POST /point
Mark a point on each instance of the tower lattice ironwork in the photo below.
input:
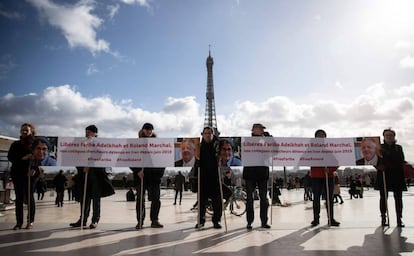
(210, 113)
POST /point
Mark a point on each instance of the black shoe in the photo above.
(384, 222)
(93, 225)
(249, 226)
(156, 224)
(29, 225)
(199, 225)
(265, 226)
(315, 223)
(400, 224)
(217, 225)
(77, 224)
(18, 226)
(334, 223)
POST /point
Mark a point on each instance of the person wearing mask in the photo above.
(98, 185)
(257, 176)
(393, 159)
(320, 176)
(151, 180)
(209, 179)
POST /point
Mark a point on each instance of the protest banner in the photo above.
(276, 151)
(110, 152)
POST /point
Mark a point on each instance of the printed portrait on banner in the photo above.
(186, 152)
(229, 157)
(367, 150)
(229, 151)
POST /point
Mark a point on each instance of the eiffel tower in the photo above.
(210, 113)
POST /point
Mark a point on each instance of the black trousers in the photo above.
(154, 194)
(21, 190)
(398, 203)
(319, 188)
(264, 203)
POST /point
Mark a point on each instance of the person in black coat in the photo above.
(59, 181)
(152, 183)
(98, 186)
(209, 178)
(20, 155)
(393, 159)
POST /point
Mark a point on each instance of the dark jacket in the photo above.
(193, 176)
(209, 177)
(393, 159)
(380, 170)
(59, 182)
(98, 185)
(256, 173)
(19, 167)
(179, 182)
(151, 175)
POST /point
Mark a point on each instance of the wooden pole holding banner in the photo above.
(86, 171)
(328, 198)
(198, 199)
(28, 192)
(221, 198)
(272, 197)
(384, 182)
(141, 202)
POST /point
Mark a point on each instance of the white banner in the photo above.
(108, 152)
(268, 151)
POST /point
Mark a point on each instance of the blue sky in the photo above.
(344, 66)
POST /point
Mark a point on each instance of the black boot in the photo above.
(384, 221)
(400, 224)
(77, 224)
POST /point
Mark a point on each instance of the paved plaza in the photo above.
(360, 232)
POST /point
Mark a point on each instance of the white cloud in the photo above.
(92, 69)
(63, 111)
(140, 2)
(339, 85)
(113, 10)
(11, 15)
(407, 62)
(317, 18)
(76, 22)
(404, 45)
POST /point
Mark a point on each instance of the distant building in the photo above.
(5, 143)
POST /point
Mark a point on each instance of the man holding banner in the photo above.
(322, 182)
(209, 179)
(91, 185)
(257, 175)
(148, 179)
(392, 179)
